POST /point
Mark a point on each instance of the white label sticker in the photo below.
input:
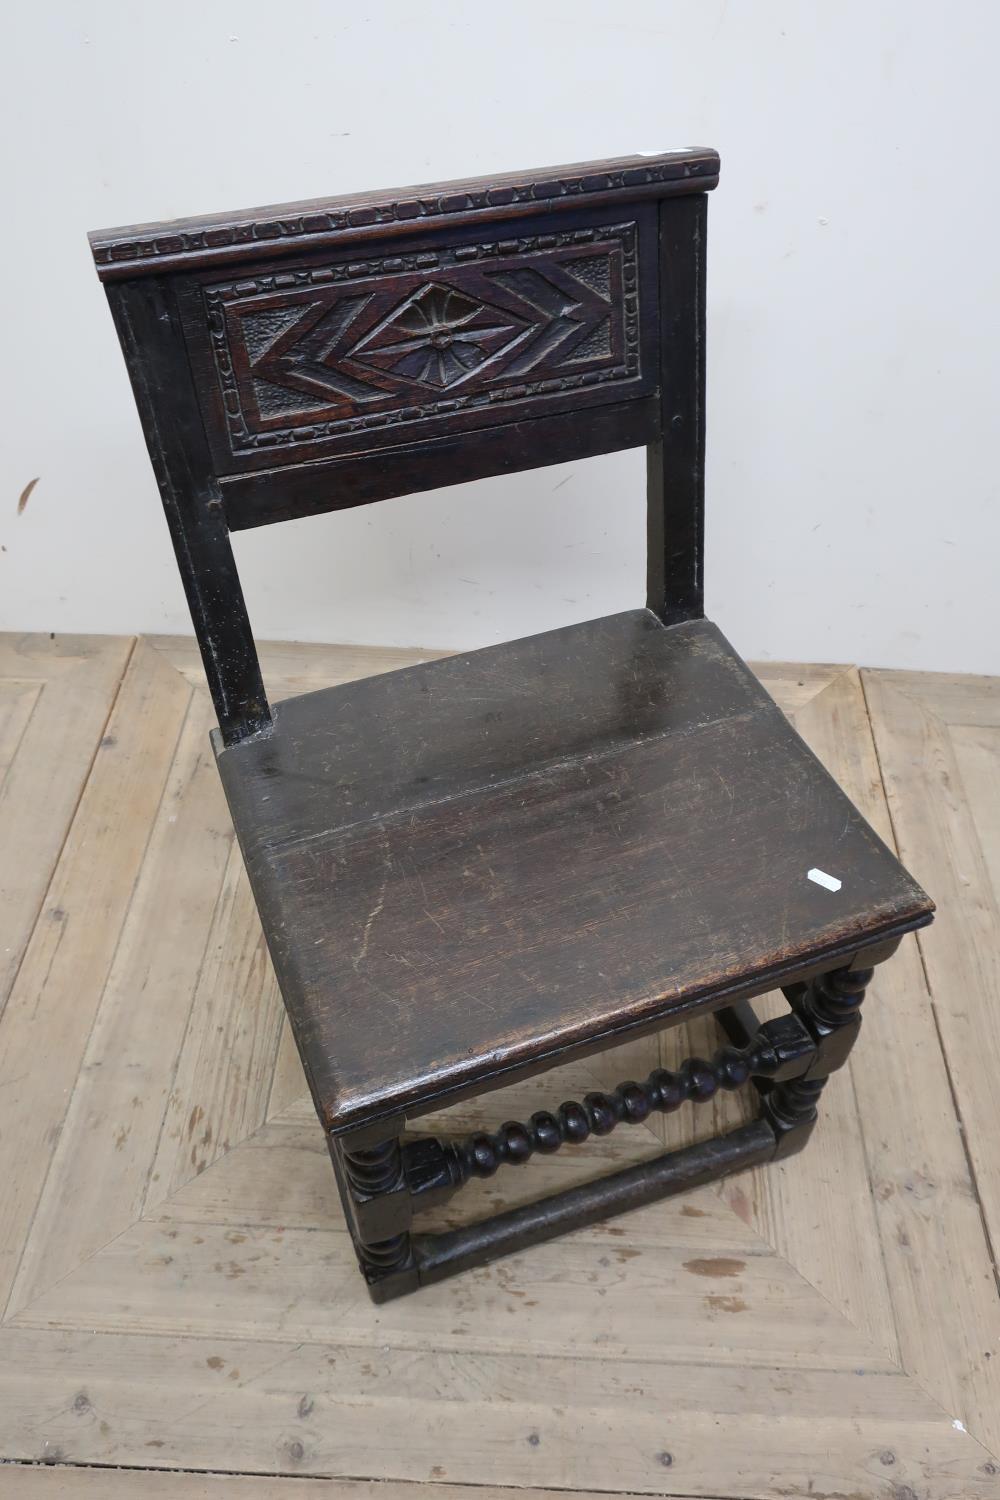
(828, 882)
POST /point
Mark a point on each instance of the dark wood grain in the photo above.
(360, 347)
(145, 315)
(183, 244)
(675, 459)
(469, 867)
(269, 495)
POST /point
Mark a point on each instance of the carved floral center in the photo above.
(438, 336)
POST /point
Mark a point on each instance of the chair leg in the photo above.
(830, 1007)
(378, 1210)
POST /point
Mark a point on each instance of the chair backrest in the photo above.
(317, 356)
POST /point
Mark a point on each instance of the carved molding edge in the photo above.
(314, 220)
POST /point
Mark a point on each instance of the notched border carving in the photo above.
(680, 171)
(250, 432)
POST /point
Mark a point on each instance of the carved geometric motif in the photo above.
(436, 337)
(312, 353)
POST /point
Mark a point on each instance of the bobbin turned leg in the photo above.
(379, 1213)
(830, 1009)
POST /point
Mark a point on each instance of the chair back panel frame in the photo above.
(291, 362)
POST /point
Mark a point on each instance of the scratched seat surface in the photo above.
(470, 868)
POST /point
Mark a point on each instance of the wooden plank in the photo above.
(292, 667)
(941, 830)
(288, 1082)
(129, 1392)
(924, 1199)
(47, 1022)
(224, 1077)
(977, 750)
(17, 703)
(281, 1176)
(956, 698)
(506, 893)
(481, 1418)
(63, 692)
(60, 1482)
(125, 1082)
(794, 684)
(648, 1301)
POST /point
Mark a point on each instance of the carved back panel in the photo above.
(325, 355)
(309, 360)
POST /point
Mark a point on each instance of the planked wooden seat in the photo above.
(469, 867)
(473, 869)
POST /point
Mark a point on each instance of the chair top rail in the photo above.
(190, 244)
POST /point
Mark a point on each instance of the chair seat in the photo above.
(471, 868)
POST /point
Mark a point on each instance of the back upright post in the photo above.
(675, 476)
(153, 344)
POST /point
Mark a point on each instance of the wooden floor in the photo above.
(181, 1314)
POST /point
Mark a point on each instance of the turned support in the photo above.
(384, 1182)
(830, 1008)
(779, 1049)
(379, 1208)
(630, 1103)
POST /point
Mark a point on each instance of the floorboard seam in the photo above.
(505, 1486)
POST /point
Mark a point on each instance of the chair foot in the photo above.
(790, 1110)
(390, 1268)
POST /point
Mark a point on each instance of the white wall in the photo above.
(854, 308)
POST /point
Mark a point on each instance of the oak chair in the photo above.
(471, 870)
